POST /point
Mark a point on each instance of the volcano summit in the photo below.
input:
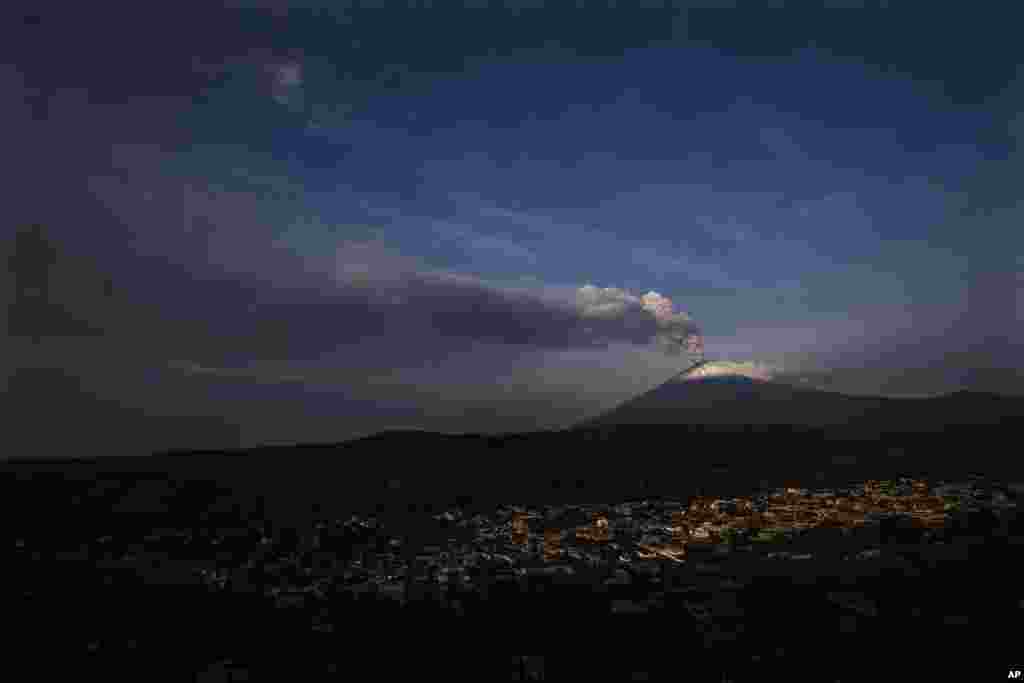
(747, 393)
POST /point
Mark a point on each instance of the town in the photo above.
(637, 557)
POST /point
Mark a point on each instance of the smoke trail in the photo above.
(675, 333)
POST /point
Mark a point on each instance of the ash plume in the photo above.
(675, 332)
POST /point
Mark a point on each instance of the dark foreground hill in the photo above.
(938, 607)
(208, 562)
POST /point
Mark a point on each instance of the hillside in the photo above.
(744, 400)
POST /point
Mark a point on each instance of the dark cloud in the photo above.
(167, 152)
(364, 293)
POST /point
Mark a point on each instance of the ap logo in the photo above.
(1015, 673)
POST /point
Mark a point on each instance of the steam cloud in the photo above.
(675, 333)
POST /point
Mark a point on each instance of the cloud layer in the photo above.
(365, 293)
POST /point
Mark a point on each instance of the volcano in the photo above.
(731, 393)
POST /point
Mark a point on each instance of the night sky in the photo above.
(278, 225)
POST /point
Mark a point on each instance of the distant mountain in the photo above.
(956, 370)
(727, 394)
(53, 414)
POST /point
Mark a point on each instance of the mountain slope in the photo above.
(734, 398)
